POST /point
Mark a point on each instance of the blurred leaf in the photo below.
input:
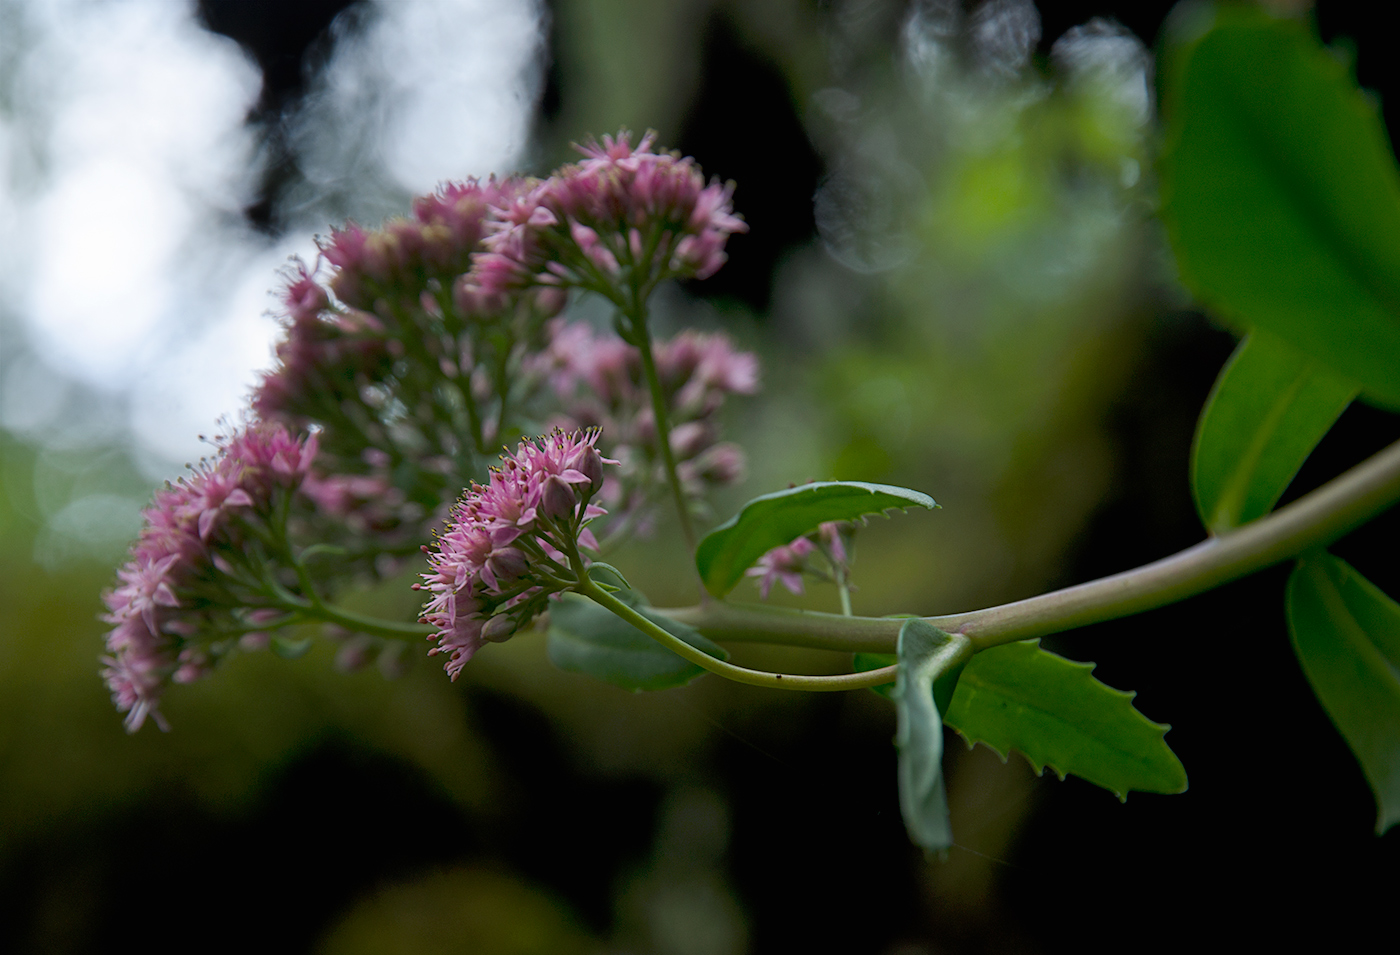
(586, 638)
(1056, 714)
(929, 663)
(1346, 633)
(1280, 191)
(779, 518)
(1270, 407)
(289, 649)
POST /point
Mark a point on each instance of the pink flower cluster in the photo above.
(403, 254)
(405, 367)
(624, 217)
(326, 356)
(788, 562)
(177, 584)
(508, 543)
(599, 380)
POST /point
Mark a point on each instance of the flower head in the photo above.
(624, 215)
(394, 262)
(509, 543)
(178, 582)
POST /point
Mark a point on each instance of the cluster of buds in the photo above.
(409, 371)
(378, 270)
(195, 585)
(512, 543)
(599, 380)
(623, 219)
(786, 564)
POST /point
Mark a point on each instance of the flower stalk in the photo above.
(663, 427)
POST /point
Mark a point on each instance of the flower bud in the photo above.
(557, 497)
(499, 628)
(588, 462)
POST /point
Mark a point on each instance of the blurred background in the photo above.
(956, 282)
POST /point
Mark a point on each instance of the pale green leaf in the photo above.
(929, 661)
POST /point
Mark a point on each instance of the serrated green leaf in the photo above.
(1346, 633)
(779, 518)
(586, 638)
(1269, 408)
(1280, 191)
(929, 662)
(1053, 712)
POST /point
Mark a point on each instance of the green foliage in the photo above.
(1346, 633)
(929, 663)
(1280, 192)
(779, 518)
(1056, 714)
(586, 638)
(1270, 407)
(1053, 712)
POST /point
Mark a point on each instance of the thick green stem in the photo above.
(1314, 520)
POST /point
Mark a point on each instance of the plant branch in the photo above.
(776, 681)
(1315, 520)
(374, 626)
(663, 427)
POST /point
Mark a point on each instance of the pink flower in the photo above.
(599, 379)
(784, 563)
(177, 581)
(622, 218)
(391, 262)
(503, 552)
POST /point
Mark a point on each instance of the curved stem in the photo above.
(776, 681)
(1315, 520)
